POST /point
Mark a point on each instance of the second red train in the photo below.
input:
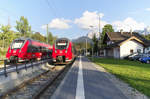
(63, 51)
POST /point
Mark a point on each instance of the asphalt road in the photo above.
(84, 81)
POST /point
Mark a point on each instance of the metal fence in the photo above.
(17, 67)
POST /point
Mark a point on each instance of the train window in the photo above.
(29, 49)
(17, 44)
(32, 49)
(35, 49)
(62, 44)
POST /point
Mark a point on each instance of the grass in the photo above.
(3, 52)
(134, 73)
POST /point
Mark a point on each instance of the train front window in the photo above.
(17, 44)
(61, 45)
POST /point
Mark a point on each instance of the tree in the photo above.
(7, 35)
(106, 28)
(94, 38)
(147, 37)
(39, 37)
(23, 27)
(80, 46)
(51, 38)
(95, 44)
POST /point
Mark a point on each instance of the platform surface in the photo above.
(84, 81)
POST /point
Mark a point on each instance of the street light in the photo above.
(47, 32)
(92, 46)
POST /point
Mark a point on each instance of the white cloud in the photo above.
(58, 24)
(90, 19)
(128, 24)
(147, 9)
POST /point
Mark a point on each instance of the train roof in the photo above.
(22, 38)
(36, 42)
(62, 39)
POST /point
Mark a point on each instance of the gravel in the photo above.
(49, 92)
(32, 87)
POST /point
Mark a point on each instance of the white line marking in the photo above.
(80, 83)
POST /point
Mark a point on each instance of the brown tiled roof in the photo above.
(118, 37)
(115, 36)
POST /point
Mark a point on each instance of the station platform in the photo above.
(84, 81)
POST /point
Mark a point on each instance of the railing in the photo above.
(17, 67)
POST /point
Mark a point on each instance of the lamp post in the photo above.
(47, 32)
(92, 46)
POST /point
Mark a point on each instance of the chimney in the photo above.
(121, 31)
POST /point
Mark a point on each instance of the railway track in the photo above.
(35, 87)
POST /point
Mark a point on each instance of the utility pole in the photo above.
(92, 53)
(86, 46)
(8, 20)
(92, 44)
(3, 42)
(99, 32)
(47, 33)
(99, 29)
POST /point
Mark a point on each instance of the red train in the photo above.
(27, 49)
(63, 51)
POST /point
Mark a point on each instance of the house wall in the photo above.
(109, 52)
(126, 47)
(116, 52)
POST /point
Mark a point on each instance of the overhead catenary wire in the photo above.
(58, 10)
(8, 15)
(51, 7)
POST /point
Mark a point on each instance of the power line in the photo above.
(52, 9)
(8, 14)
(3, 9)
(59, 12)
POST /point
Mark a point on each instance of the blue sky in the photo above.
(71, 18)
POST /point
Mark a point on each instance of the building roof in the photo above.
(119, 37)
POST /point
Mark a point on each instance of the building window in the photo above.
(131, 51)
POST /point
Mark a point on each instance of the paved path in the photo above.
(84, 81)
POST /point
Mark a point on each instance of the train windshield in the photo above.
(17, 44)
(62, 44)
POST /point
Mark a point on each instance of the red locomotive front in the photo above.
(63, 51)
(17, 50)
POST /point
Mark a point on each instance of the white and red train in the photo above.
(63, 51)
(27, 49)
